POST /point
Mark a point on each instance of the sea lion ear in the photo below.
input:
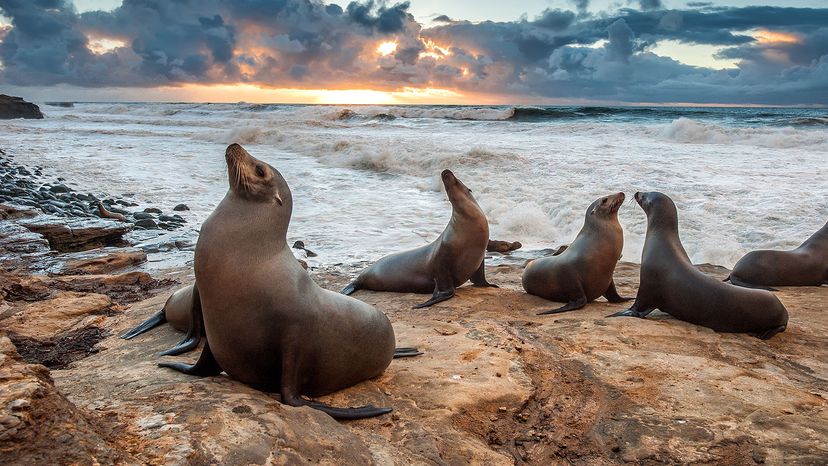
(278, 198)
(593, 210)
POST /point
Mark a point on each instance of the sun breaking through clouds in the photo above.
(376, 52)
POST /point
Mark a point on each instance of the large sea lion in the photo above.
(582, 271)
(183, 311)
(453, 258)
(267, 323)
(806, 265)
(670, 283)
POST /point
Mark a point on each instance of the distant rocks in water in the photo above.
(502, 246)
(16, 107)
(61, 104)
(27, 189)
(181, 208)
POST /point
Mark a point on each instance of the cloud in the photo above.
(310, 44)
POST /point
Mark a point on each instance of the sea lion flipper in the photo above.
(478, 278)
(612, 294)
(570, 306)
(737, 282)
(560, 249)
(204, 367)
(154, 321)
(632, 312)
(406, 352)
(350, 288)
(361, 412)
(194, 331)
(440, 294)
(769, 333)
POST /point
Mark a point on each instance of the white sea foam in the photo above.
(366, 184)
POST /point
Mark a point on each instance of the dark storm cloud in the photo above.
(307, 43)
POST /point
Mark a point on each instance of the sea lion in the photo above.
(670, 283)
(453, 258)
(582, 271)
(267, 323)
(806, 265)
(107, 214)
(502, 246)
(183, 311)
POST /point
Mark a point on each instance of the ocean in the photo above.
(366, 179)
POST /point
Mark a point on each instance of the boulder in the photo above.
(16, 107)
(77, 234)
(38, 425)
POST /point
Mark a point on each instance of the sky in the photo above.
(737, 52)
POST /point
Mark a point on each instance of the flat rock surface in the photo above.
(497, 385)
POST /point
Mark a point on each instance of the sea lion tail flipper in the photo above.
(204, 367)
(406, 352)
(612, 294)
(348, 290)
(726, 279)
(478, 278)
(154, 321)
(194, 331)
(570, 306)
(560, 249)
(737, 282)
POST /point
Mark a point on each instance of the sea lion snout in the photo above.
(447, 176)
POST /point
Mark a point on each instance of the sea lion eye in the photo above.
(603, 201)
(259, 171)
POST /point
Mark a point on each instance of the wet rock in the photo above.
(38, 425)
(16, 107)
(181, 208)
(60, 188)
(152, 210)
(147, 223)
(100, 261)
(143, 216)
(502, 246)
(77, 234)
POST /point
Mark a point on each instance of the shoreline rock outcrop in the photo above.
(15, 107)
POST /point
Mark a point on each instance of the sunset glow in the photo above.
(103, 45)
(387, 48)
(763, 36)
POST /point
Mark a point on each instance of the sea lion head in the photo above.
(606, 207)
(660, 209)
(459, 194)
(254, 180)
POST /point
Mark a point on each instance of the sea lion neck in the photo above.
(818, 240)
(258, 221)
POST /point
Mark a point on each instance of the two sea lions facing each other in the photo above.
(670, 283)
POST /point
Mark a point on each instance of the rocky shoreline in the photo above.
(496, 385)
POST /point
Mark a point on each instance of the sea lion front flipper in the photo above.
(737, 282)
(289, 391)
(154, 321)
(612, 294)
(406, 352)
(560, 249)
(194, 331)
(769, 333)
(633, 312)
(204, 367)
(478, 278)
(439, 294)
(570, 306)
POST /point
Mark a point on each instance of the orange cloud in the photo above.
(764, 36)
